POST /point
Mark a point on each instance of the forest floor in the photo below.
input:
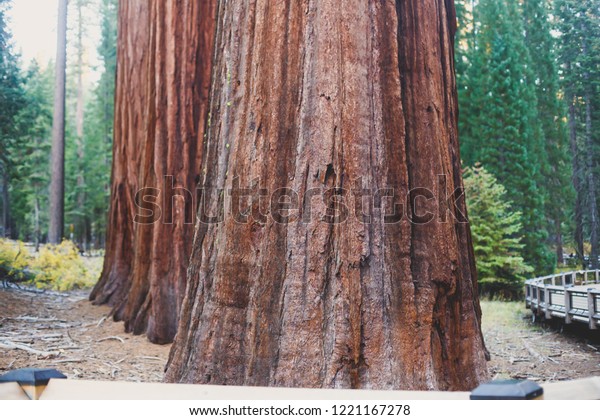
(522, 349)
(65, 331)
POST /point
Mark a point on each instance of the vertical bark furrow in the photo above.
(163, 79)
(335, 98)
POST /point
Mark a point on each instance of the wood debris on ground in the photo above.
(66, 332)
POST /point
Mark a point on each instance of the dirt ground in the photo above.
(541, 352)
(64, 331)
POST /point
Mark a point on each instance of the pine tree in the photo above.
(99, 128)
(90, 126)
(495, 229)
(579, 51)
(11, 102)
(30, 188)
(57, 180)
(506, 135)
(466, 77)
(559, 192)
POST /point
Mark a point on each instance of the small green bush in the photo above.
(496, 231)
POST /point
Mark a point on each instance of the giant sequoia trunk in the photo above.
(327, 97)
(163, 78)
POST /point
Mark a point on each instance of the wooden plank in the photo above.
(579, 301)
(65, 389)
(581, 389)
(12, 391)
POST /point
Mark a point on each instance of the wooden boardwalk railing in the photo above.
(573, 296)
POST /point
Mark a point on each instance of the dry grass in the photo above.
(506, 315)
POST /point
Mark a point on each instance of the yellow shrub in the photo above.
(14, 258)
(60, 267)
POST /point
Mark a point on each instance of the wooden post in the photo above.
(597, 276)
(547, 298)
(541, 302)
(592, 309)
(568, 317)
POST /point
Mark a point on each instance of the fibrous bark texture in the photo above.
(331, 96)
(163, 79)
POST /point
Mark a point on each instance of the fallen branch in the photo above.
(35, 319)
(150, 358)
(14, 346)
(111, 338)
(69, 361)
(534, 353)
(101, 321)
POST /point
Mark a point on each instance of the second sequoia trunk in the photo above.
(163, 78)
(317, 107)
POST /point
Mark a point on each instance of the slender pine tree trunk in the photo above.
(5, 204)
(558, 241)
(57, 166)
(36, 219)
(590, 169)
(578, 234)
(79, 126)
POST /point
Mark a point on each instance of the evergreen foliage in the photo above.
(578, 24)
(26, 99)
(495, 229)
(501, 112)
(556, 170)
(29, 186)
(12, 100)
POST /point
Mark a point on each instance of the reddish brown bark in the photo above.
(165, 51)
(130, 117)
(319, 94)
